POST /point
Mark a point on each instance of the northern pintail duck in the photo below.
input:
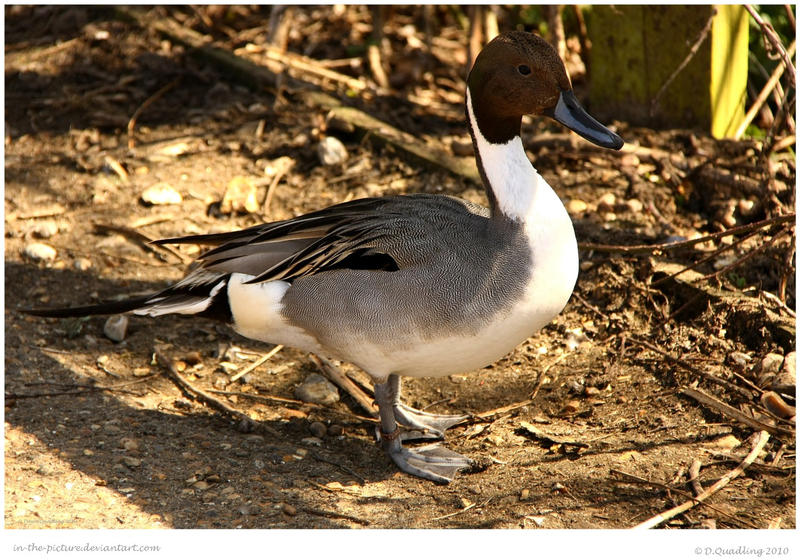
(418, 285)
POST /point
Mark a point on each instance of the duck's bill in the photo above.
(570, 113)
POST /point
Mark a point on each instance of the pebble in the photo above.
(331, 151)
(82, 264)
(160, 194)
(289, 509)
(201, 485)
(607, 202)
(727, 442)
(524, 494)
(129, 444)
(311, 441)
(634, 205)
(40, 252)
(739, 359)
(317, 389)
(111, 428)
(786, 379)
(131, 462)
(240, 197)
(771, 363)
(318, 429)
(45, 229)
(572, 407)
(576, 206)
(116, 327)
(335, 430)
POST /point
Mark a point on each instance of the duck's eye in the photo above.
(524, 69)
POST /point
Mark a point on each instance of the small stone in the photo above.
(634, 205)
(129, 444)
(331, 151)
(45, 229)
(193, 358)
(607, 202)
(317, 389)
(335, 430)
(131, 462)
(708, 524)
(727, 442)
(313, 440)
(240, 197)
(745, 207)
(116, 327)
(289, 509)
(40, 252)
(591, 391)
(201, 485)
(88, 452)
(160, 194)
(771, 363)
(111, 429)
(318, 429)
(576, 206)
(82, 264)
(572, 407)
(524, 494)
(739, 359)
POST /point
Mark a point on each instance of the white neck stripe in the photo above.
(510, 174)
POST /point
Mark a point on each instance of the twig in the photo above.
(334, 515)
(116, 166)
(694, 477)
(533, 430)
(761, 441)
(147, 102)
(747, 256)
(773, 38)
(705, 259)
(332, 372)
(257, 363)
(688, 367)
(639, 480)
(342, 467)
(144, 241)
(772, 83)
(245, 423)
(270, 398)
(728, 410)
(692, 51)
(459, 512)
(646, 249)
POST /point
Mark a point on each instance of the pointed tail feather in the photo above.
(105, 308)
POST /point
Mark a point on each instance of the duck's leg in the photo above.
(433, 462)
(425, 425)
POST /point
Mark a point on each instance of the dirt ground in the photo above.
(588, 424)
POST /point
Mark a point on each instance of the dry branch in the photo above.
(731, 412)
(763, 437)
(332, 372)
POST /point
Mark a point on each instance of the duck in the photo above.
(415, 285)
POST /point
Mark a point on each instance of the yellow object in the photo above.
(637, 49)
(729, 39)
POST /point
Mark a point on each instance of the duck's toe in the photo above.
(425, 425)
(433, 462)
